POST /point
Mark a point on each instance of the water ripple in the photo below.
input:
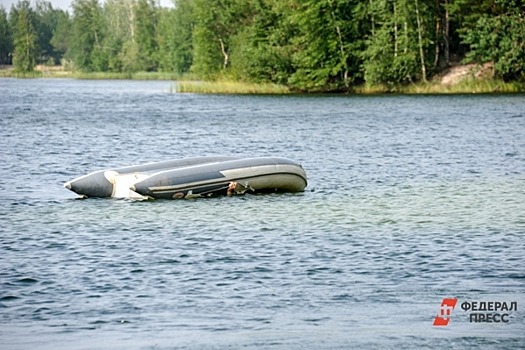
(410, 200)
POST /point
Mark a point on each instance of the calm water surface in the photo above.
(411, 199)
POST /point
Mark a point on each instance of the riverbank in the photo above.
(42, 71)
(458, 79)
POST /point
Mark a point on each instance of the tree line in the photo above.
(308, 45)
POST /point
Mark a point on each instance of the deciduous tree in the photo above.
(175, 37)
(499, 36)
(86, 49)
(327, 46)
(146, 22)
(61, 35)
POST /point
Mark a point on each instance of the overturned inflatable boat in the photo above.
(193, 177)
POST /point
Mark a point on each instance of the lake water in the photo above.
(411, 199)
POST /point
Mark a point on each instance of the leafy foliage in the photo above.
(146, 21)
(45, 23)
(6, 41)
(308, 45)
(261, 51)
(327, 45)
(175, 38)
(23, 22)
(500, 37)
(86, 50)
(61, 35)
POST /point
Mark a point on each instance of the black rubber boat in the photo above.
(193, 177)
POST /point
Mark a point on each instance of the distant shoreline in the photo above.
(459, 79)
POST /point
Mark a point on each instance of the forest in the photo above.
(307, 45)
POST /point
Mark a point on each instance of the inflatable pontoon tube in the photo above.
(202, 176)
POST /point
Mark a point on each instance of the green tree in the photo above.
(399, 48)
(261, 50)
(463, 17)
(499, 36)
(86, 49)
(175, 37)
(216, 24)
(46, 22)
(328, 45)
(6, 43)
(122, 16)
(22, 19)
(61, 35)
(445, 40)
(120, 21)
(146, 21)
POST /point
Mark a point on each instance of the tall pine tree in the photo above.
(6, 43)
(22, 19)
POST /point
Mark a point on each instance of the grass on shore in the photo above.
(469, 85)
(59, 72)
(465, 86)
(125, 76)
(228, 87)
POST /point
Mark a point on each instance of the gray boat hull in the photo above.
(193, 177)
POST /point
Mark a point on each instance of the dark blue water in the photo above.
(411, 199)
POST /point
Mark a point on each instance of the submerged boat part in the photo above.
(193, 177)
